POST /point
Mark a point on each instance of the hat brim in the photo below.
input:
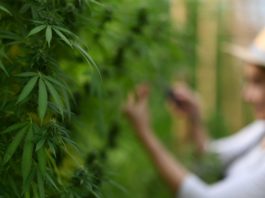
(244, 54)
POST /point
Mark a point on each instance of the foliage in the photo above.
(36, 97)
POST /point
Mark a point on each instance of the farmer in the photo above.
(242, 155)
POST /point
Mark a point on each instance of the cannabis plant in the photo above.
(36, 98)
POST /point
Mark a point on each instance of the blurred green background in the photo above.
(135, 42)
(155, 42)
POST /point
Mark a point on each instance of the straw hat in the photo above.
(254, 54)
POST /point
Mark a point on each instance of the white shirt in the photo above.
(244, 160)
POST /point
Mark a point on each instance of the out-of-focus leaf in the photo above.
(27, 154)
(54, 81)
(59, 84)
(35, 190)
(3, 68)
(40, 144)
(26, 74)
(56, 96)
(48, 35)
(36, 30)
(14, 127)
(42, 161)
(9, 35)
(64, 30)
(27, 182)
(11, 149)
(41, 185)
(27, 89)
(49, 178)
(67, 103)
(5, 10)
(87, 57)
(43, 99)
(63, 37)
(52, 148)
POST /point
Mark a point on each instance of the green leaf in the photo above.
(27, 155)
(55, 96)
(95, 193)
(67, 103)
(65, 31)
(35, 192)
(41, 185)
(27, 89)
(41, 155)
(52, 148)
(3, 68)
(9, 35)
(61, 35)
(59, 84)
(71, 142)
(12, 147)
(43, 99)
(40, 144)
(97, 3)
(49, 35)
(87, 57)
(28, 182)
(26, 74)
(49, 178)
(54, 81)
(36, 30)
(14, 127)
(5, 10)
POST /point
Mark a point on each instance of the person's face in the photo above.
(254, 89)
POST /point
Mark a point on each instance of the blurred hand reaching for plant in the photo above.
(136, 107)
(183, 101)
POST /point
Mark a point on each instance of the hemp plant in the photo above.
(36, 99)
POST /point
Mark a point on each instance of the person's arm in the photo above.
(197, 133)
(137, 113)
(170, 170)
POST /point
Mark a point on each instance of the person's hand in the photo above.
(185, 102)
(136, 107)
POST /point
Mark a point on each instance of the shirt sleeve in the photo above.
(228, 149)
(250, 185)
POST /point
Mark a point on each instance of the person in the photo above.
(242, 154)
